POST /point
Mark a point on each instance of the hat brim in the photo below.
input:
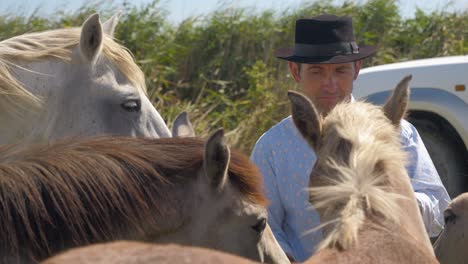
(288, 54)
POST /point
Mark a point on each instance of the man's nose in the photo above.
(331, 84)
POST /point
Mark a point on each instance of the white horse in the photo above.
(73, 82)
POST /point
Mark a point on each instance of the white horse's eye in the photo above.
(132, 105)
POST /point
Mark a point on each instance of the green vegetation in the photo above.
(221, 67)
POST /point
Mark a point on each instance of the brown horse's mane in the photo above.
(78, 187)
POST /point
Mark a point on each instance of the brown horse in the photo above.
(130, 252)
(451, 246)
(359, 184)
(175, 190)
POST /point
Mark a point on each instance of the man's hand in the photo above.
(420, 207)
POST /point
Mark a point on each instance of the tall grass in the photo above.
(221, 67)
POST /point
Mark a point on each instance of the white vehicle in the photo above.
(438, 109)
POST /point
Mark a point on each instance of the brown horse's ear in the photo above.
(396, 106)
(306, 118)
(182, 126)
(91, 38)
(216, 159)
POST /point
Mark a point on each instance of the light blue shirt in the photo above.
(286, 160)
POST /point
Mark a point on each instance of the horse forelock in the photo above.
(53, 44)
(73, 184)
(357, 178)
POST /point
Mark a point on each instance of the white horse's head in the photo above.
(86, 84)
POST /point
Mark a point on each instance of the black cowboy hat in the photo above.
(325, 39)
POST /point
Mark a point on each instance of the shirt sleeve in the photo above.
(430, 193)
(262, 157)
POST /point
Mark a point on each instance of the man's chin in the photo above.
(326, 105)
(325, 109)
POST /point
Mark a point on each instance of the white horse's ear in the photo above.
(216, 160)
(91, 38)
(306, 118)
(182, 126)
(109, 26)
(396, 106)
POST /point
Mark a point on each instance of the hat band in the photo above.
(331, 49)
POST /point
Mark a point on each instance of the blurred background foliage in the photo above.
(221, 68)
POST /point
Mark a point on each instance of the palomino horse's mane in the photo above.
(14, 98)
(73, 185)
(363, 154)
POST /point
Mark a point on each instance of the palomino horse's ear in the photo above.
(396, 105)
(91, 38)
(216, 159)
(182, 126)
(306, 117)
(109, 26)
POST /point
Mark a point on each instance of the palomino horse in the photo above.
(168, 190)
(359, 184)
(451, 246)
(130, 252)
(73, 82)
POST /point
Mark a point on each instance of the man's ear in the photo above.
(295, 71)
(357, 68)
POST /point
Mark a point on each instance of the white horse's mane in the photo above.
(15, 99)
(360, 187)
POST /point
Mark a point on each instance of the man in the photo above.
(324, 63)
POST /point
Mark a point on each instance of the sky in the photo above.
(181, 9)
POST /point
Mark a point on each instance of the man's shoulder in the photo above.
(407, 130)
(281, 130)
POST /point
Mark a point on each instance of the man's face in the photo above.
(326, 84)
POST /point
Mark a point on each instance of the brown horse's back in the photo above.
(376, 245)
(126, 252)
